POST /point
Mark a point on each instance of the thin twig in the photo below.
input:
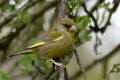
(98, 59)
(4, 42)
(40, 71)
(97, 43)
(103, 17)
(96, 5)
(66, 77)
(53, 74)
(79, 61)
(96, 28)
(111, 11)
(115, 69)
(13, 14)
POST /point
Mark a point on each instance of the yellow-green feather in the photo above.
(45, 42)
(37, 44)
(58, 38)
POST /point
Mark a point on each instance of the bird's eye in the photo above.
(67, 26)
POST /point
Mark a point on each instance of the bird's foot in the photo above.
(61, 65)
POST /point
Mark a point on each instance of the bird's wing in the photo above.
(47, 39)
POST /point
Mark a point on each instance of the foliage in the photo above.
(105, 5)
(26, 62)
(5, 75)
(82, 22)
(45, 65)
(8, 7)
(73, 5)
(17, 1)
(22, 17)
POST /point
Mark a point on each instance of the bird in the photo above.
(55, 43)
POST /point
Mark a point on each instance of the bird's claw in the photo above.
(61, 65)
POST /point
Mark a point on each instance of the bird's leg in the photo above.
(61, 65)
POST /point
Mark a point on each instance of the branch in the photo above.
(115, 68)
(95, 6)
(2, 2)
(116, 4)
(4, 42)
(98, 59)
(42, 9)
(96, 28)
(8, 18)
(62, 10)
(111, 11)
(61, 14)
(79, 61)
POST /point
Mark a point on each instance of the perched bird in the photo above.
(54, 43)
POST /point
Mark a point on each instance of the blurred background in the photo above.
(97, 39)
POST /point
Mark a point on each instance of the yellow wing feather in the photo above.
(60, 37)
(37, 44)
(45, 42)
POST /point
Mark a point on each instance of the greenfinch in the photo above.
(56, 42)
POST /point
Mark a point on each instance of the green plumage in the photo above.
(55, 43)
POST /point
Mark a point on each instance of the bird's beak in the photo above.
(73, 28)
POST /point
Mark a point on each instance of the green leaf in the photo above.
(25, 14)
(105, 5)
(5, 75)
(27, 59)
(25, 17)
(77, 2)
(32, 56)
(86, 20)
(105, 79)
(88, 38)
(82, 22)
(48, 64)
(33, 39)
(78, 19)
(26, 62)
(68, 6)
(45, 65)
(22, 17)
(18, 18)
(43, 68)
(17, 1)
(8, 6)
(25, 70)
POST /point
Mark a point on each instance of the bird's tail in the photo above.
(21, 53)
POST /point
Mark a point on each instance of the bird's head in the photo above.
(69, 24)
